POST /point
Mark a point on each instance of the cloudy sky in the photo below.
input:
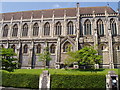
(24, 6)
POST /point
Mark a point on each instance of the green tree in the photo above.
(9, 62)
(45, 57)
(84, 56)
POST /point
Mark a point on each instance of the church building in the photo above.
(29, 32)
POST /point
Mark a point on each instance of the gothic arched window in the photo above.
(13, 47)
(100, 27)
(5, 31)
(52, 48)
(15, 30)
(70, 28)
(25, 30)
(38, 48)
(67, 47)
(58, 28)
(47, 29)
(113, 27)
(87, 27)
(35, 29)
(25, 48)
(118, 47)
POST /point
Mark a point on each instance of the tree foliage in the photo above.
(45, 56)
(8, 59)
(84, 56)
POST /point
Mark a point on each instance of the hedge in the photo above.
(78, 81)
(20, 80)
(24, 80)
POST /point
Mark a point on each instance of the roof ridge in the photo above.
(53, 9)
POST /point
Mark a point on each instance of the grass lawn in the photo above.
(63, 71)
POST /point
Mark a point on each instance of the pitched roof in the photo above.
(57, 12)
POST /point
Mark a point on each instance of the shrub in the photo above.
(20, 80)
(78, 81)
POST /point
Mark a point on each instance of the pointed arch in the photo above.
(100, 27)
(38, 47)
(70, 28)
(58, 28)
(87, 27)
(46, 29)
(5, 31)
(52, 48)
(25, 48)
(35, 29)
(113, 27)
(15, 30)
(25, 30)
(67, 47)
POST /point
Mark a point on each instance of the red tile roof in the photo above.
(57, 12)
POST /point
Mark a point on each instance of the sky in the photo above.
(26, 6)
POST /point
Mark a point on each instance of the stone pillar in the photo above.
(78, 17)
(95, 39)
(20, 54)
(44, 80)
(10, 28)
(58, 54)
(20, 27)
(77, 40)
(30, 34)
(1, 28)
(112, 81)
(111, 65)
(95, 35)
(52, 27)
(118, 58)
(77, 27)
(107, 23)
(65, 28)
(33, 59)
(41, 27)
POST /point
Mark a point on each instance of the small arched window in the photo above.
(70, 28)
(87, 27)
(67, 47)
(5, 31)
(52, 48)
(25, 48)
(25, 30)
(15, 30)
(13, 47)
(113, 27)
(118, 47)
(38, 48)
(58, 28)
(47, 29)
(2, 46)
(100, 27)
(35, 29)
